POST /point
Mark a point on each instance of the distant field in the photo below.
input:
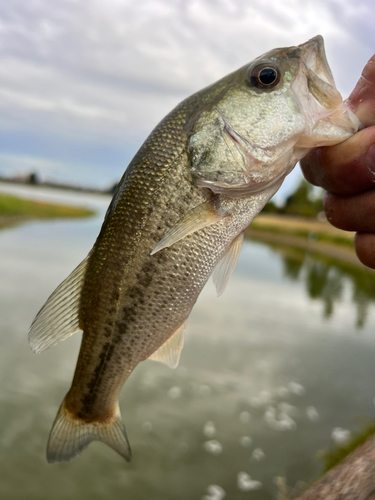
(14, 210)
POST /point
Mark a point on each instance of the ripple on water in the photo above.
(340, 435)
(258, 455)
(209, 429)
(262, 399)
(215, 492)
(312, 413)
(279, 420)
(296, 388)
(288, 409)
(213, 446)
(245, 483)
(246, 441)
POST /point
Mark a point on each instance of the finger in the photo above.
(346, 168)
(365, 248)
(351, 213)
(362, 99)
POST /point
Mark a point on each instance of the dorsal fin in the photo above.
(58, 318)
(203, 215)
(225, 267)
(170, 352)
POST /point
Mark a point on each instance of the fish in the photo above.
(177, 217)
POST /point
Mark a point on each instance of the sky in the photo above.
(83, 82)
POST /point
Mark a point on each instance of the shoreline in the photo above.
(308, 234)
(15, 210)
(56, 185)
(312, 235)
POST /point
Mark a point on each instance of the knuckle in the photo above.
(364, 245)
(311, 167)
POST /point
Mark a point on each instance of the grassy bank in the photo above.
(14, 210)
(338, 452)
(306, 233)
(310, 228)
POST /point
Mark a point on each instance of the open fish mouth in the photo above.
(326, 115)
(314, 57)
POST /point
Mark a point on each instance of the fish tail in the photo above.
(70, 435)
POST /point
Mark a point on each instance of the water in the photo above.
(268, 373)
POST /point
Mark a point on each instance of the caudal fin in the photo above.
(70, 435)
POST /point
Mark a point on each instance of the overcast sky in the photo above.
(83, 82)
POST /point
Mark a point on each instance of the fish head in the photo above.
(256, 123)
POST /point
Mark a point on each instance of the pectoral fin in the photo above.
(170, 352)
(225, 267)
(58, 318)
(202, 216)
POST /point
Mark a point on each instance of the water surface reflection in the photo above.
(325, 279)
(263, 381)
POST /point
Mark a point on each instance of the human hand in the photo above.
(347, 172)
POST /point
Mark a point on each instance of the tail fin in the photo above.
(70, 435)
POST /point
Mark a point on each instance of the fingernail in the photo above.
(370, 158)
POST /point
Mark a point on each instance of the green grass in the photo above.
(338, 453)
(316, 236)
(14, 210)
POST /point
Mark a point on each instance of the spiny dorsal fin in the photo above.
(170, 352)
(58, 318)
(201, 216)
(225, 267)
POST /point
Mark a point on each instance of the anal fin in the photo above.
(58, 318)
(203, 215)
(225, 267)
(170, 352)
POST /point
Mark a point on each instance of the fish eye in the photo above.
(264, 76)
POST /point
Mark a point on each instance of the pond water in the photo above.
(270, 372)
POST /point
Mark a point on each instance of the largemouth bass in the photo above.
(178, 215)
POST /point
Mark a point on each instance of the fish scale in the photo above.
(177, 216)
(138, 212)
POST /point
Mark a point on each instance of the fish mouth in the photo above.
(314, 57)
(328, 120)
(315, 70)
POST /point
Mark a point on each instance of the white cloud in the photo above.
(105, 71)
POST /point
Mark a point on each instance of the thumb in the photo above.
(362, 100)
